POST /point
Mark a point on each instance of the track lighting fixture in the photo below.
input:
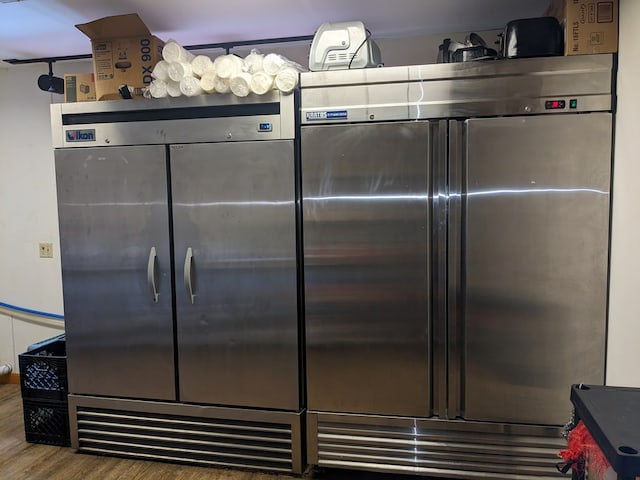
(49, 83)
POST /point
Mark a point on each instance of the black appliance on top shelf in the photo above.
(473, 48)
(532, 37)
(522, 38)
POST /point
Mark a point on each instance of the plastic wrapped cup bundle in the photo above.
(285, 72)
(228, 66)
(221, 85)
(190, 86)
(191, 75)
(173, 89)
(217, 60)
(261, 82)
(273, 63)
(241, 84)
(287, 79)
(173, 52)
(253, 62)
(200, 65)
(161, 70)
(178, 70)
(208, 81)
(158, 88)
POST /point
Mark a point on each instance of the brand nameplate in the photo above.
(87, 135)
(328, 115)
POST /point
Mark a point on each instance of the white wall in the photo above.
(28, 212)
(624, 310)
(7, 351)
(417, 50)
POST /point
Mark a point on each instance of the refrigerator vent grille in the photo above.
(174, 438)
(447, 453)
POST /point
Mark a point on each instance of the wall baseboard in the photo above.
(11, 378)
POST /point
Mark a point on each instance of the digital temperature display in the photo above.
(554, 104)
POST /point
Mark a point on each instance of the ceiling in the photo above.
(46, 28)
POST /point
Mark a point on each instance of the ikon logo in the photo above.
(88, 135)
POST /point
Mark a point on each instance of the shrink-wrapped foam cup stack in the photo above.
(190, 86)
(173, 89)
(253, 62)
(273, 63)
(158, 88)
(178, 70)
(208, 82)
(200, 65)
(161, 71)
(221, 85)
(285, 72)
(261, 82)
(228, 66)
(287, 79)
(182, 73)
(173, 52)
(241, 84)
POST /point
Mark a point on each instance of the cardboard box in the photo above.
(79, 87)
(124, 53)
(590, 26)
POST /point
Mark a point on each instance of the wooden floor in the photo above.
(20, 460)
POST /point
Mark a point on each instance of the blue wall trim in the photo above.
(34, 312)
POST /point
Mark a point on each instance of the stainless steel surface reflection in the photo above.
(236, 302)
(535, 263)
(180, 245)
(112, 205)
(366, 225)
(513, 159)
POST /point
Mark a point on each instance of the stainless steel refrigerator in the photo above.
(179, 263)
(455, 223)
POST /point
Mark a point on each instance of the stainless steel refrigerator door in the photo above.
(114, 241)
(536, 223)
(366, 224)
(236, 286)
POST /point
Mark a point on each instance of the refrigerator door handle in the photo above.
(151, 273)
(188, 259)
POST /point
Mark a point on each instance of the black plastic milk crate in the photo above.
(46, 421)
(43, 372)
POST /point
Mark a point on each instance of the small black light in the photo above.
(49, 83)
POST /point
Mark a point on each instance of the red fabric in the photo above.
(580, 447)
